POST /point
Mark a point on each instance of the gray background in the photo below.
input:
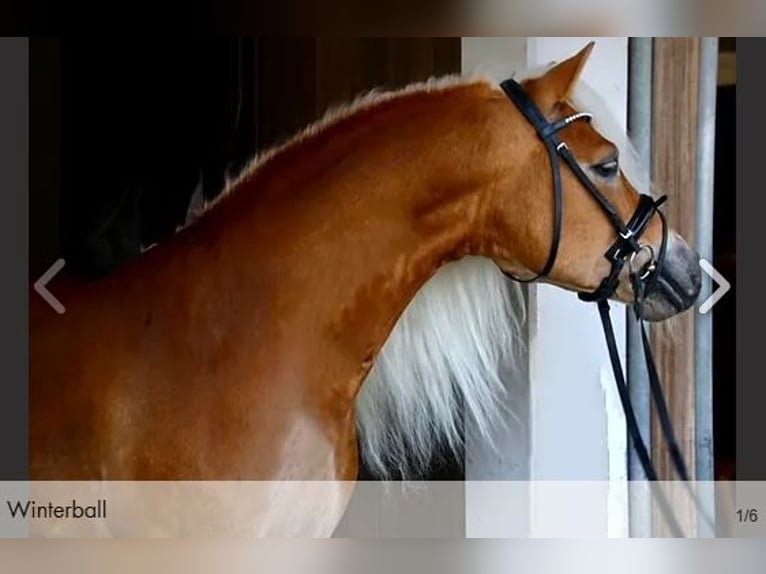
(14, 179)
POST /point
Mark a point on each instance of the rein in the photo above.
(622, 252)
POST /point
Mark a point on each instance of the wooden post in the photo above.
(674, 137)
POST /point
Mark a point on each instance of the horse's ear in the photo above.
(556, 84)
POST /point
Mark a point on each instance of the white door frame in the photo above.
(575, 429)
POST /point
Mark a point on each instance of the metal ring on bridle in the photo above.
(650, 266)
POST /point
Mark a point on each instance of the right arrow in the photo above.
(718, 293)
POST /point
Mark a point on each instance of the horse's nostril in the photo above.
(692, 294)
(694, 291)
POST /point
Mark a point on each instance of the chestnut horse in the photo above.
(347, 289)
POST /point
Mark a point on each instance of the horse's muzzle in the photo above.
(677, 286)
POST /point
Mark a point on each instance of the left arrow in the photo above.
(40, 286)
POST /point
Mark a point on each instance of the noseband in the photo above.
(622, 252)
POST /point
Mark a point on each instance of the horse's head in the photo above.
(668, 266)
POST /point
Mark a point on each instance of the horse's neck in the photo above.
(326, 242)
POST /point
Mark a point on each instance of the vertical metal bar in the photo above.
(640, 131)
(703, 236)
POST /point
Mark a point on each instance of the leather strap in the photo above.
(547, 133)
(630, 416)
(662, 415)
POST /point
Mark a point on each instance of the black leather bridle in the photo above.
(623, 251)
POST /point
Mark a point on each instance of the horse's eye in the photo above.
(607, 169)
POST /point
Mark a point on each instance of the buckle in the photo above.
(626, 236)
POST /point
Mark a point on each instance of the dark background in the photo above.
(725, 261)
(124, 131)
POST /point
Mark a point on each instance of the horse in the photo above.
(348, 291)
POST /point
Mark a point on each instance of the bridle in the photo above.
(626, 246)
(622, 252)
